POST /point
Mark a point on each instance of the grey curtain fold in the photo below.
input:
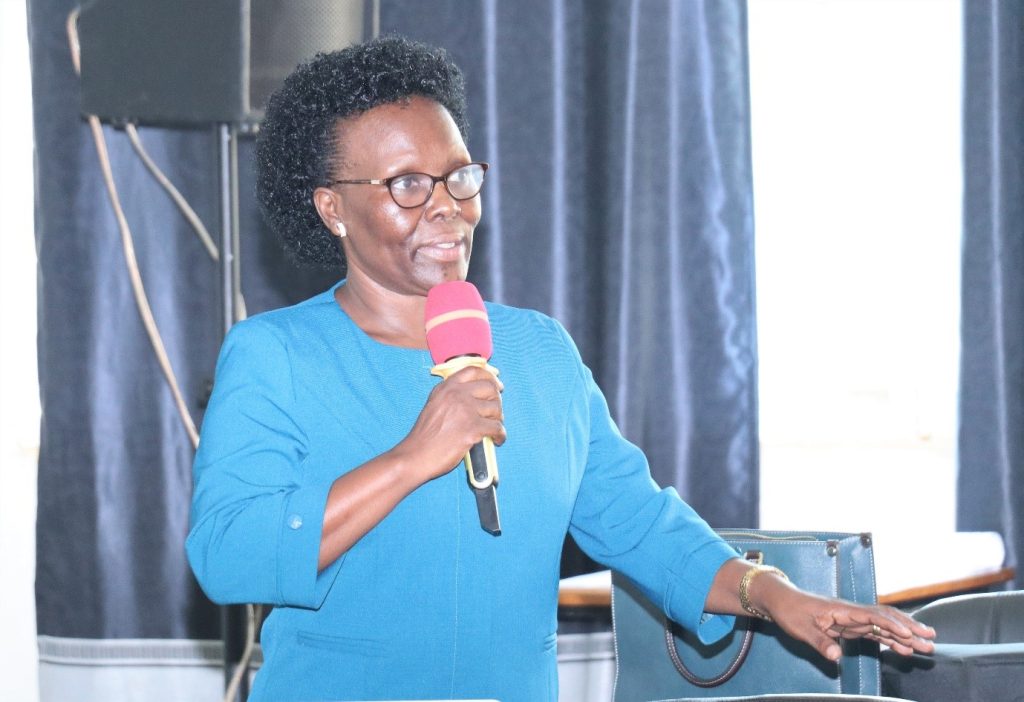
(991, 435)
(619, 201)
(115, 464)
(114, 461)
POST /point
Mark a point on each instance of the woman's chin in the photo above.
(444, 273)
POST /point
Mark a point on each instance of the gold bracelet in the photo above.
(748, 577)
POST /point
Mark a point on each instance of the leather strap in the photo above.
(725, 675)
(734, 665)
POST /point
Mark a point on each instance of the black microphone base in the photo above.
(487, 506)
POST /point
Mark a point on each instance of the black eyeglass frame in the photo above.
(434, 180)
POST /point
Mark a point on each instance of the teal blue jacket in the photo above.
(426, 605)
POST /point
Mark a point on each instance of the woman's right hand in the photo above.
(458, 414)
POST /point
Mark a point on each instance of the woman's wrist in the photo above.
(412, 466)
(403, 467)
(758, 588)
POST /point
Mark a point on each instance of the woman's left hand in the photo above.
(822, 622)
(816, 620)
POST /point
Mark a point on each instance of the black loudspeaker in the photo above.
(197, 62)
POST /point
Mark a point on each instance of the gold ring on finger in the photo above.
(876, 630)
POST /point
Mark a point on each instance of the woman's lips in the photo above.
(445, 251)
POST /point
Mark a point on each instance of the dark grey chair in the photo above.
(979, 652)
(810, 697)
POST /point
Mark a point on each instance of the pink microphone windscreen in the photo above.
(456, 322)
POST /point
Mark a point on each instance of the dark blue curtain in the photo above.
(619, 202)
(115, 461)
(991, 448)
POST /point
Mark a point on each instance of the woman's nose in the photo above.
(442, 204)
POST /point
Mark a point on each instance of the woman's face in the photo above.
(407, 251)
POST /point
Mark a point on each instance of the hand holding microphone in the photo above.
(459, 339)
(456, 416)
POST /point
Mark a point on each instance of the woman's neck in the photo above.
(384, 315)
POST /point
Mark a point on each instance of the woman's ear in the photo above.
(330, 207)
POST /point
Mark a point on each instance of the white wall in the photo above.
(19, 393)
(856, 124)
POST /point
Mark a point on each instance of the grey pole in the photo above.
(233, 617)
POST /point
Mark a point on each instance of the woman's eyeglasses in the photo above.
(410, 190)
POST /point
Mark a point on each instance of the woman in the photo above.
(324, 482)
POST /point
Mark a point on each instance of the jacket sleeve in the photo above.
(623, 519)
(256, 519)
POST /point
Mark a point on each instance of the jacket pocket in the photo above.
(342, 644)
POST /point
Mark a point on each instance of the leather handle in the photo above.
(734, 665)
(721, 678)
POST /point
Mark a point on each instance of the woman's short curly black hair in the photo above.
(297, 146)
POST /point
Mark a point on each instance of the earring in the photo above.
(341, 229)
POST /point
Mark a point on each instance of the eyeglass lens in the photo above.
(414, 189)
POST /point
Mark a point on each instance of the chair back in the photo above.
(979, 652)
(799, 697)
(986, 618)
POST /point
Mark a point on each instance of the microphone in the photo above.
(459, 335)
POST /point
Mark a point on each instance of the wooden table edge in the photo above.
(602, 597)
(948, 587)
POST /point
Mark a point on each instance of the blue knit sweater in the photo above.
(427, 605)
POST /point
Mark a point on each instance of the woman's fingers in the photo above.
(849, 632)
(825, 645)
(823, 622)
(886, 625)
(900, 645)
(486, 389)
(476, 373)
(893, 628)
(497, 433)
(483, 389)
(459, 413)
(477, 392)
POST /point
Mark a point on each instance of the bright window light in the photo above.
(857, 189)
(19, 389)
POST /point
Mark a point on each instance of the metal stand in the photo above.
(227, 152)
(233, 617)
